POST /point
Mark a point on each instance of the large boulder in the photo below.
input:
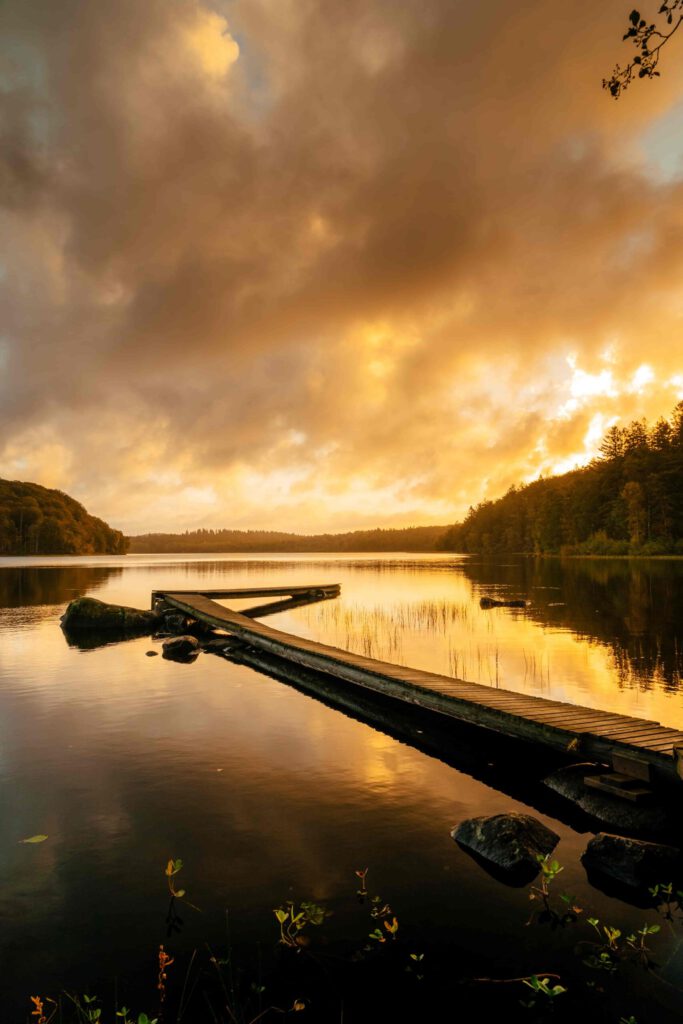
(512, 843)
(181, 648)
(632, 862)
(87, 613)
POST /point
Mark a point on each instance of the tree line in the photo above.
(413, 538)
(629, 500)
(36, 520)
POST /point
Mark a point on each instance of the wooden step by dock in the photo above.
(636, 747)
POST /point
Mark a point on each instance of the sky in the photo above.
(310, 265)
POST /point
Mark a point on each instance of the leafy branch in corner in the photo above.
(648, 40)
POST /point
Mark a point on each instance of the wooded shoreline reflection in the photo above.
(632, 606)
(30, 586)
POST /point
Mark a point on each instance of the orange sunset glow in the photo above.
(321, 266)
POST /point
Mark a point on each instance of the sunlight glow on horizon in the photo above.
(271, 274)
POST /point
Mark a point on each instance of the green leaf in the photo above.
(34, 839)
(634, 17)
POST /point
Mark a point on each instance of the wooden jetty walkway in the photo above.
(634, 747)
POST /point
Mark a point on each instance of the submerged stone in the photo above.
(511, 842)
(181, 648)
(89, 613)
(494, 602)
(632, 862)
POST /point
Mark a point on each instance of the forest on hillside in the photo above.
(36, 520)
(413, 538)
(629, 500)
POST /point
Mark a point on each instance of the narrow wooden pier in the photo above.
(639, 747)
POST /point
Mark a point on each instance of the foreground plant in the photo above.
(294, 920)
(542, 990)
(173, 867)
(668, 900)
(142, 1018)
(38, 1010)
(648, 38)
(550, 869)
(612, 947)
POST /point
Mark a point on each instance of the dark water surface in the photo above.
(123, 761)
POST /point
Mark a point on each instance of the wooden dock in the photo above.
(638, 747)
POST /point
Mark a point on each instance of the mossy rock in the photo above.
(507, 845)
(89, 613)
(632, 862)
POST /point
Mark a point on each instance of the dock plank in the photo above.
(551, 723)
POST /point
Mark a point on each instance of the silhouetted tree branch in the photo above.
(648, 39)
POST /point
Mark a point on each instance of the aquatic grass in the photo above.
(382, 632)
(467, 643)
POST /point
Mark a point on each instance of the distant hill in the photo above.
(35, 520)
(413, 538)
(628, 501)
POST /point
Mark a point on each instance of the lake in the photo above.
(269, 794)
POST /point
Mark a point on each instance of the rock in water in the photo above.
(632, 862)
(89, 613)
(181, 648)
(175, 622)
(494, 602)
(512, 842)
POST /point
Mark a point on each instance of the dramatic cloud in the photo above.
(314, 265)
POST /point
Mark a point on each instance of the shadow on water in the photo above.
(93, 639)
(509, 766)
(633, 606)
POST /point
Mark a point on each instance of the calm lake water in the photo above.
(268, 793)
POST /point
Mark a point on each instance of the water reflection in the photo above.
(634, 606)
(603, 633)
(28, 586)
(125, 761)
